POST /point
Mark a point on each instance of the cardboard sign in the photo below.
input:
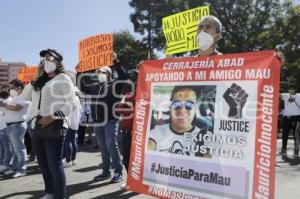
(180, 29)
(27, 73)
(206, 127)
(95, 52)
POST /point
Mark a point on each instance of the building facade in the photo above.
(8, 71)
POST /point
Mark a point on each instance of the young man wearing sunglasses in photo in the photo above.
(170, 137)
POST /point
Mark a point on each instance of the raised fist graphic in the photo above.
(236, 98)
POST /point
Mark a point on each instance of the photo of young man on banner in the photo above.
(188, 115)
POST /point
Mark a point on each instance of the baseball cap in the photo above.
(52, 52)
(105, 69)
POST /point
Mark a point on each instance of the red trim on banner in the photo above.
(260, 67)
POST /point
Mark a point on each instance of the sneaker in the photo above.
(48, 196)
(19, 174)
(3, 168)
(124, 187)
(74, 163)
(117, 178)
(67, 164)
(9, 172)
(31, 159)
(103, 176)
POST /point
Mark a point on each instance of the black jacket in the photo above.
(103, 97)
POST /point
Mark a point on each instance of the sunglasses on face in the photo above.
(188, 105)
(49, 58)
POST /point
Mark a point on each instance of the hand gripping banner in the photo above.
(206, 127)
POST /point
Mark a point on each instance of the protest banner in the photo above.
(95, 52)
(206, 127)
(180, 30)
(27, 73)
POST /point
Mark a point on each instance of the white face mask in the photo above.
(13, 93)
(204, 40)
(102, 78)
(49, 66)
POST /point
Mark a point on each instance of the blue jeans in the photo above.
(16, 133)
(6, 153)
(70, 145)
(107, 139)
(49, 156)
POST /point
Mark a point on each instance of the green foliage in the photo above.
(129, 50)
(248, 25)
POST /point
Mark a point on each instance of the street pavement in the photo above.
(81, 186)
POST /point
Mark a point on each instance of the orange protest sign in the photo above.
(27, 73)
(206, 127)
(95, 52)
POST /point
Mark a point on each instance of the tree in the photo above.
(248, 25)
(129, 50)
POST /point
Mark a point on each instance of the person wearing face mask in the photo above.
(5, 146)
(16, 128)
(105, 87)
(209, 33)
(53, 98)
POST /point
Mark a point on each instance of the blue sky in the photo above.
(28, 26)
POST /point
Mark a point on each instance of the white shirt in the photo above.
(3, 113)
(74, 118)
(168, 141)
(291, 104)
(16, 116)
(57, 98)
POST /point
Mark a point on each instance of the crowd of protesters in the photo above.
(53, 99)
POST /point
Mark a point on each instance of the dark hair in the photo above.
(5, 86)
(176, 89)
(17, 83)
(4, 94)
(39, 83)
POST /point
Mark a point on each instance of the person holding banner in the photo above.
(52, 94)
(172, 137)
(106, 94)
(208, 34)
